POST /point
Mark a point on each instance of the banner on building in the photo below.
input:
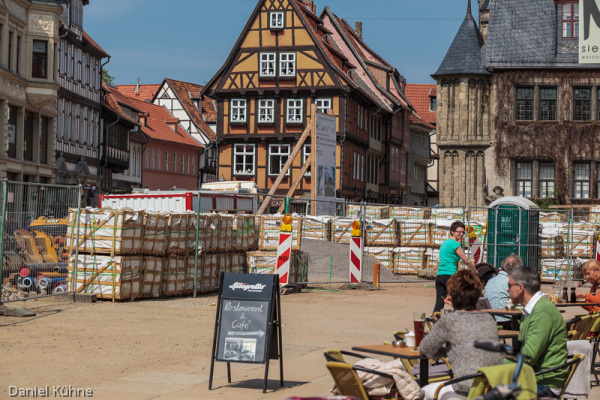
(589, 32)
(325, 162)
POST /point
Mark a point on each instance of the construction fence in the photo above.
(51, 245)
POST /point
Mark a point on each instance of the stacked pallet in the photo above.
(265, 262)
(316, 227)
(127, 255)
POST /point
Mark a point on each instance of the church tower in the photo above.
(463, 118)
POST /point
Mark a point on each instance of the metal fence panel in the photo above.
(34, 257)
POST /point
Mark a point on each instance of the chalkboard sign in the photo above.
(247, 328)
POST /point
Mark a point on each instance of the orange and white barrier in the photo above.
(475, 247)
(356, 250)
(284, 250)
(598, 249)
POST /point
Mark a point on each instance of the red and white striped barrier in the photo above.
(284, 250)
(356, 251)
(598, 249)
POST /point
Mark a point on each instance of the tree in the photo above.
(107, 78)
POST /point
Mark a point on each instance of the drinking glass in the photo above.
(419, 325)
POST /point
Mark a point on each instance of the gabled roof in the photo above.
(464, 54)
(364, 55)
(310, 21)
(110, 101)
(142, 92)
(157, 127)
(420, 95)
(185, 91)
(87, 40)
(416, 120)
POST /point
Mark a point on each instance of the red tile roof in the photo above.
(419, 95)
(157, 122)
(110, 100)
(415, 119)
(145, 92)
(185, 91)
(87, 39)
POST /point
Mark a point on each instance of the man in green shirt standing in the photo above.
(543, 331)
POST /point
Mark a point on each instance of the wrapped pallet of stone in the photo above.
(303, 260)
(371, 212)
(151, 281)
(240, 237)
(408, 260)
(430, 265)
(114, 232)
(551, 246)
(414, 233)
(156, 233)
(554, 269)
(226, 233)
(478, 215)
(552, 217)
(210, 273)
(341, 229)
(449, 213)
(174, 276)
(270, 226)
(383, 255)
(181, 231)
(238, 263)
(316, 227)
(594, 217)
(352, 210)
(108, 277)
(261, 262)
(410, 213)
(382, 232)
(208, 231)
(193, 274)
(579, 243)
(439, 233)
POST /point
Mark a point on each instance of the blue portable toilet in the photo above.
(513, 227)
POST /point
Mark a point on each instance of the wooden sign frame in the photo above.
(248, 303)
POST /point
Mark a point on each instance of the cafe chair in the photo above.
(579, 328)
(488, 377)
(338, 355)
(439, 369)
(348, 383)
(572, 364)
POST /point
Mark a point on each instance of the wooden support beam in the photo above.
(296, 182)
(287, 166)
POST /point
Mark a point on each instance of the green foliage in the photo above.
(107, 78)
(545, 203)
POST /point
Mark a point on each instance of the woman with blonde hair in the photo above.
(591, 272)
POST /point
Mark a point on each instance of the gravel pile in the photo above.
(326, 256)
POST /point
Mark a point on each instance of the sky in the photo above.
(189, 40)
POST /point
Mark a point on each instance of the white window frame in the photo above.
(324, 104)
(266, 111)
(267, 65)
(305, 155)
(283, 157)
(238, 108)
(158, 160)
(249, 150)
(581, 186)
(294, 110)
(287, 65)
(524, 182)
(175, 162)
(166, 161)
(276, 20)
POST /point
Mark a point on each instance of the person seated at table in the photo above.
(495, 289)
(591, 272)
(543, 332)
(454, 333)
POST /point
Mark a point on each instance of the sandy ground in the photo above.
(162, 349)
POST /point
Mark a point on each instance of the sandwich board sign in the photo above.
(248, 322)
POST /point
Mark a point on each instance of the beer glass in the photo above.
(419, 325)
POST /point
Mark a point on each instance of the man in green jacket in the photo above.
(543, 331)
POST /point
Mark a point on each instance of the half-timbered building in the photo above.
(197, 115)
(78, 138)
(285, 61)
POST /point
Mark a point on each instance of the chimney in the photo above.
(310, 5)
(358, 28)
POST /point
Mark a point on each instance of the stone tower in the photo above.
(463, 118)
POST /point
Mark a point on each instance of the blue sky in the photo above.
(189, 40)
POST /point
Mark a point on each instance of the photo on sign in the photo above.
(239, 349)
(330, 181)
(320, 180)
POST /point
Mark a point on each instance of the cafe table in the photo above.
(577, 304)
(400, 352)
(508, 334)
(513, 313)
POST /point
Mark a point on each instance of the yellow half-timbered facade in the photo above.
(284, 62)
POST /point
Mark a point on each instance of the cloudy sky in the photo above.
(189, 40)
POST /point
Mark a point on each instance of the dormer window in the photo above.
(570, 19)
(276, 20)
